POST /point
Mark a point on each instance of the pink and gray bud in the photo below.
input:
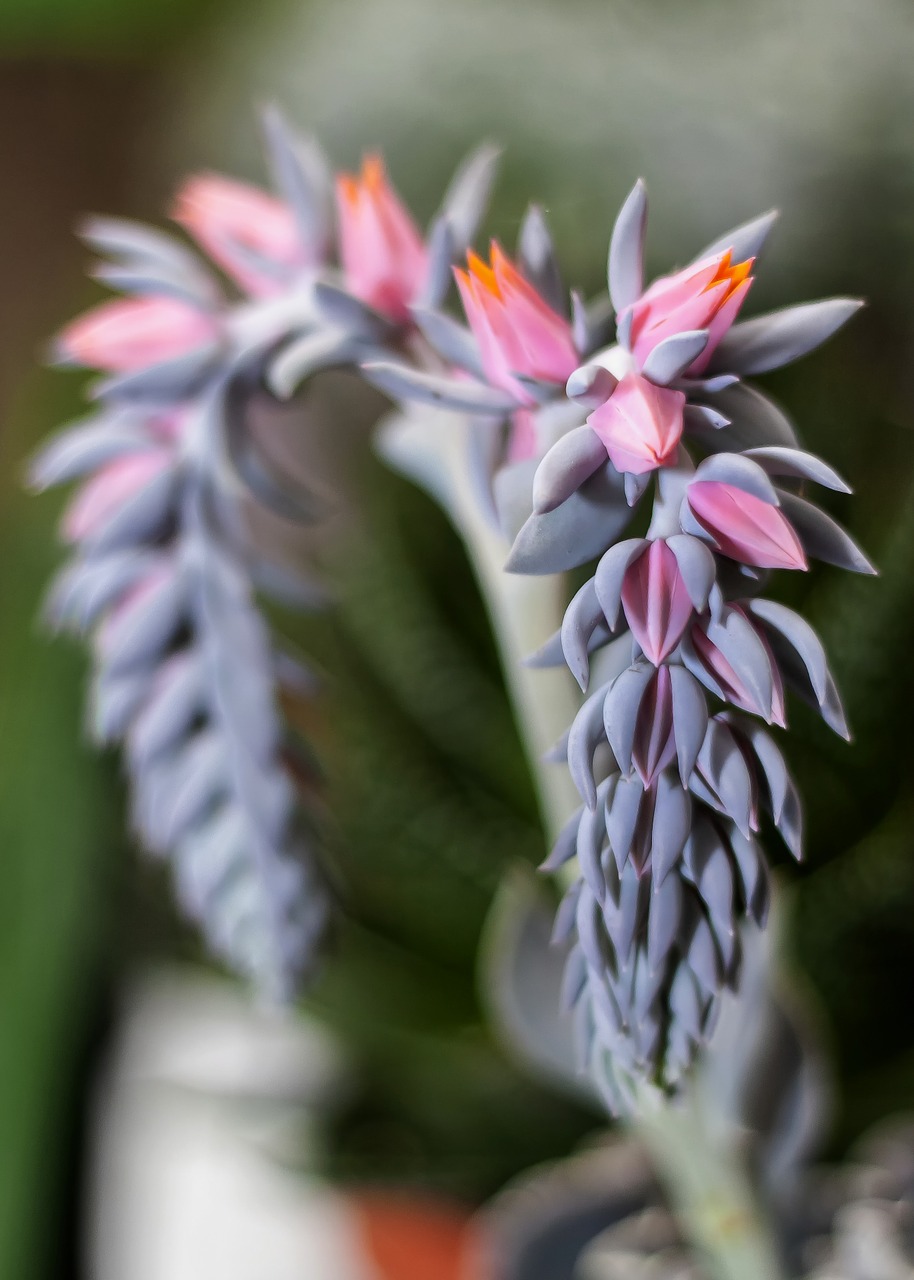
(383, 255)
(249, 233)
(134, 333)
(655, 742)
(517, 332)
(705, 296)
(656, 601)
(745, 527)
(104, 494)
(640, 424)
(733, 658)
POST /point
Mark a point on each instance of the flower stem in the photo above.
(524, 611)
(702, 1172)
(708, 1188)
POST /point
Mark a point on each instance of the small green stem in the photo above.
(708, 1188)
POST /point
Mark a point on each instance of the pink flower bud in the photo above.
(655, 743)
(133, 333)
(705, 296)
(238, 225)
(384, 259)
(517, 332)
(640, 424)
(656, 601)
(102, 495)
(734, 689)
(745, 527)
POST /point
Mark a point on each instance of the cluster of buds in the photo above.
(669, 754)
(690, 661)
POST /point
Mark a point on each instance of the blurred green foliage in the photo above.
(61, 833)
(98, 28)
(431, 801)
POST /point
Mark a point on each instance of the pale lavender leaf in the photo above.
(564, 468)
(671, 357)
(625, 269)
(575, 532)
(769, 341)
(780, 461)
(537, 260)
(822, 537)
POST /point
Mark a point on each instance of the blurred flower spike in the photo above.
(163, 571)
(383, 256)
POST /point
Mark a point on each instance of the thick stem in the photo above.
(701, 1169)
(706, 1182)
(524, 611)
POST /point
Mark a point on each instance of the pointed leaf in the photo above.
(403, 382)
(564, 468)
(767, 342)
(745, 241)
(467, 196)
(536, 255)
(670, 358)
(626, 250)
(822, 537)
(453, 342)
(575, 532)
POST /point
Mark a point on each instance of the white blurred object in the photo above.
(200, 1099)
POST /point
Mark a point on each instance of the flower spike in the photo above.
(162, 573)
(692, 664)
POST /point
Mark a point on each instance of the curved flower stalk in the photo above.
(669, 754)
(163, 574)
(453, 433)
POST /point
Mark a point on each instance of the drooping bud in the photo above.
(105, 493)
(249, 233)
(517, 332)
(707, 295)
(654, 746)
(640, 425)
(383, 256)
(734, 659)
(745, 527)
(133, 333)
(656, 601)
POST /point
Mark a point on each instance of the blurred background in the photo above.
(140, 1097)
